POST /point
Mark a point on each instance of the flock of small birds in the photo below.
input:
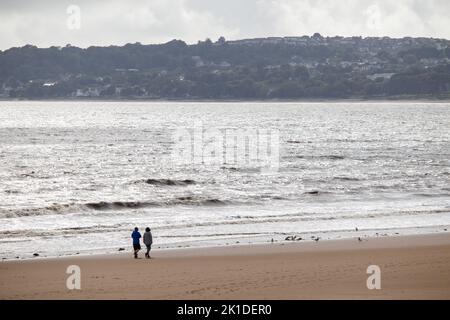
(295, 238)
(316, 239)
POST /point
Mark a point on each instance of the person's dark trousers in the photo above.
(149, 247)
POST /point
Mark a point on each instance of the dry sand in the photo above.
(412, 267)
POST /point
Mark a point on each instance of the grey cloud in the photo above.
(43, 23)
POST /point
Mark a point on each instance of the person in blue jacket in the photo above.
(136, 241)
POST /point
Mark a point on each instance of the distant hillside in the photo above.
(270, 68)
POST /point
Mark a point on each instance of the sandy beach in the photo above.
(412, 267)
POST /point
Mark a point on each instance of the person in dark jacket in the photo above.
(148, 240)
(136, 241)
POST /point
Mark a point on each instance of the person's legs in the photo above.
(147, 254)
(136, 250)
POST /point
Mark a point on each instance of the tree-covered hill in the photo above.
(269, 68)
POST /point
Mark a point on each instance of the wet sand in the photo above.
(412, 267)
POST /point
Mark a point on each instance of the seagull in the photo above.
(317, 239)
(359, 239)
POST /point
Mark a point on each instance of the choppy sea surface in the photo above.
(76, 177)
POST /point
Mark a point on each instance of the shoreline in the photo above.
(413, 267)
(194, 251)
(301, 238)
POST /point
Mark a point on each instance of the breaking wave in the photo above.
(109, 206)
(231, 220)
(118, 205)
(169, 182)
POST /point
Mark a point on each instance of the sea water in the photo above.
(76, 177)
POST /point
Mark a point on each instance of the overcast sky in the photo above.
(103, 22)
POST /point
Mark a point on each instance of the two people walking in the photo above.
(148, 241)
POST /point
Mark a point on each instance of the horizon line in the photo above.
(315, 35)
